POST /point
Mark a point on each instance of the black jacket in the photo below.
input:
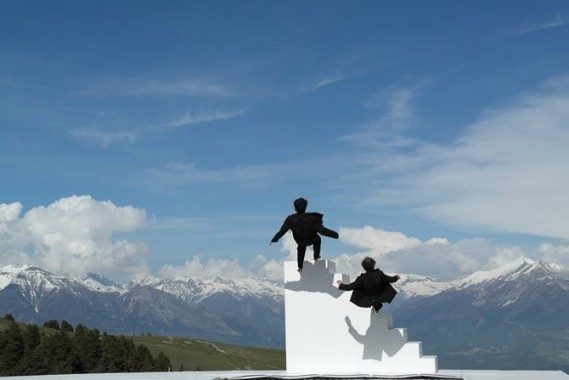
(371, 286)
(305, 227)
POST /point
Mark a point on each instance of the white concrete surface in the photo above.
(242, 375)
(325, 332)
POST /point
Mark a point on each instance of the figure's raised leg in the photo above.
(316, 247)
(300, 253)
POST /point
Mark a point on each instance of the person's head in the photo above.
(300, 204)
(368, 264)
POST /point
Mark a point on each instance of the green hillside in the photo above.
(194, 354)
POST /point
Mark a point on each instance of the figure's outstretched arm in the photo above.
(354, 285)
(285, 227)
(328, 232)
(392, 278)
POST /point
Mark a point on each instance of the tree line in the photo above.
(30, 351)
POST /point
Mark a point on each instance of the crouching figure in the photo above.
(371, 288)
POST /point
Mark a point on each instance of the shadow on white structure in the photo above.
(326, 333)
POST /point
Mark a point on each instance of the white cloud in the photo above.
(376, 240)
(182, 173)
(397, 253)
(507, 172)
(397, 114)
(204, 117)
(259, 267)
(558, 253)
(73, 235)
(106, 139)
(9, 213)
(212, 268)
(560, 20)
(270, 269)
(190, 87)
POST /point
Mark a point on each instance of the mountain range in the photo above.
(247, 312)
(511, 317)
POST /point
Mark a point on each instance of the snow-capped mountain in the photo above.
(255, 306)
(99, 283)
(248, 312)
(520, 268)
(511, 317)
(414, 285)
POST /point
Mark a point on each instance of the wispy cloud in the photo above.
(104, 138)
(204, 116)
(186, 173)
(397, 110)
(506, 173)
(191, 87)
(559, 21)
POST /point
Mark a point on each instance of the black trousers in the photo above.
(301, 251)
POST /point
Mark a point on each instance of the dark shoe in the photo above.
(377, 307)
(316, 258)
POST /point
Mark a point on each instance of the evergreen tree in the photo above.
(32, 352)
(40, 362)
(32, 340)
(87, 350)
(162, 363)
(144, 359)
(11, 350)
(66, 326)
(51, 324)
(61, 347)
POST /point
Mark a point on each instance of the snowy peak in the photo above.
(99, 283)
(413, 285)
(194, 290)
(35, 282)
(522, 268)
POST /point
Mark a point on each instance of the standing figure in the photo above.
(371, 288)
(305, 228)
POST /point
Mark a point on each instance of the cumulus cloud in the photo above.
(259, 267)
(211, 268)
(558, 253)
(377, 240)
(73, 235)
(396, 252)
(505, 173)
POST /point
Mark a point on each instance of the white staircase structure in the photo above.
(326, 333)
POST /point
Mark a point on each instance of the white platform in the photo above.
(325, 333)
(236, 375)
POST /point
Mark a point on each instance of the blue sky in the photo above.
(172, 137)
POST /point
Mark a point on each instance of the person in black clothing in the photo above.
(371, 288)
(305, 228)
